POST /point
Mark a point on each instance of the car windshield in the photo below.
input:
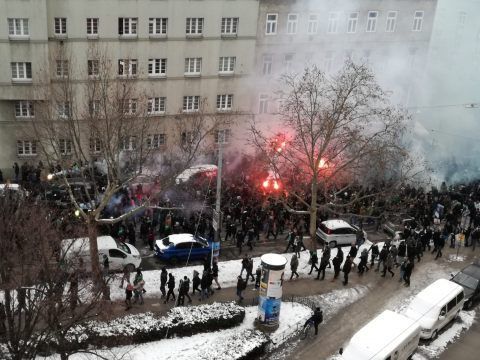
(123, 247)
(466, 280)
(202, 241)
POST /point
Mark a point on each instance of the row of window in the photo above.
(127, 26)
(155, 106)
(333, 27)
(153, 141)
(22, 71)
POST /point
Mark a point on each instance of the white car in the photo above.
(338, 232)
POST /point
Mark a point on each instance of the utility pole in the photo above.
(217, 213)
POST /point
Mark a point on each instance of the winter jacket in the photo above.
(163, 277)
(294, 263)
(347, 266)
(171, 282)
(353, 252)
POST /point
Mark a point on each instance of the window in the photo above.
(129, 143)
(267, 64)
(451, 304)
(263, 104)
(65, 146)
(352, 23)
(226, 64)
(93, 67)
(328, 62)
(127, 67)
(156, 140)
(61, 68)
(191, 103)
(24, 108)
(271, 24)
(292, 23)
(114, 253)
(391, 21)
(92, 26)
(460, 297)
(418, 21)
(60, 26)
(312, 24)
(130, 107)
(224, 102)
(95, 145)
(21, 71)
(187, 138)
(127, 26)
(156, 105)
(26, 147)
(194, 26)
(332, 23)
(193, 66)
(157, 26)
(222, 136)
(18, 27)
(372, 21)
(157, 67)
(94, 107)
(63, 109)
(288, 62)
(229, 26)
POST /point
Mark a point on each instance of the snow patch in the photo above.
(454, 258)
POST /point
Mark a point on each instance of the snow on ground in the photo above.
(227, 344)
(331, 303)
(227, 274)
(454, 257)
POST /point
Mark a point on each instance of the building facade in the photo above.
(178, 51)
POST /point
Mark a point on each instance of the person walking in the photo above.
(128, 296)
(337, 263)
(258, 275)
(374, 249)
(249, 269)
(388, 265)
(440, 245)
(381, 258)
(106, 265)
(294, 266)
(163, 281)
(298, 245)
(186, 289)
(362, 266)
(244, 264)
(324, 261)
(291, 241)
(125, 276)
(408, 272)
(196, 282)
(241, 285)
(138, 288)
(171, 288)
(313, 261)
(240, 237)
(347, 267)
(215, 273)
(204, 286)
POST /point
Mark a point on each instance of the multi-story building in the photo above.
(392, 37)
(178, 51)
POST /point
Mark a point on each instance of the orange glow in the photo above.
(276, 186)
(266, 184)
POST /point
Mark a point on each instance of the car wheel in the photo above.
(434, 335)
(130, 267)
(332, 244)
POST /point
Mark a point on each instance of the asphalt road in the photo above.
(467, 347)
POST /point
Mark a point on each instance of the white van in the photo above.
(120, 255)
(435, 306)
(390, 336)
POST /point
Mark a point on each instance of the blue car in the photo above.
(180, 246)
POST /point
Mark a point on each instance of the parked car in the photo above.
(120, 255)
(435, 306)
(469, 279)
(389, 336)
(194, 171)
(183, 246)
(393, 226)
(338, 232)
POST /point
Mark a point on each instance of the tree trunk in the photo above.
(94, 258)
(313, 213)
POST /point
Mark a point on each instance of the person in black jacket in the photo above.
(313, 261)
(347, 266)
(249, 269)
(316, 318)
(241, 285)
(375, 253)
(408, 272)
(324, 261)
(196, 282)
(171, 288)
(215, 273)
(163, 281)
(382, 257)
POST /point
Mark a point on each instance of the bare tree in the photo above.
(338, 132)
(43, 292)
(96, 130)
